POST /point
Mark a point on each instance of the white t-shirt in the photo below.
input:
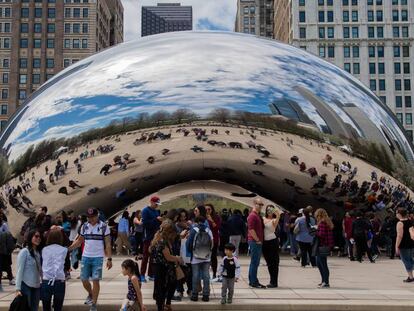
(53, 262)
(269, 231)
(94, 239)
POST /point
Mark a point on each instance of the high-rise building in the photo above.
(255, 17)
(371, 39)
(40, 38)
(166, 17)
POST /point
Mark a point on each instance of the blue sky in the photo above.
(207, 14)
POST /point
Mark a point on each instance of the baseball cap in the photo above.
(91, 212)
(155, 200)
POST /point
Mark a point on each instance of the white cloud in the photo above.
(220, 13)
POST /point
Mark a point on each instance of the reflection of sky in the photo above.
(200, 71)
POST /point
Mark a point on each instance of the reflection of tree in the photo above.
(160, 117)
(184, 114)
(220, 115)
(404, 171)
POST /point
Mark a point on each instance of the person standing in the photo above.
(53, 277)
(325, 238)
(404, 245)
(214, 222)
(139, 234)
(237, 230)
(360, 229)
(151, 221)
(123, 232)
(255, 239)
(94, 234)
(347, 230)
(229, 271)
(29, 270)
(271, 244)
(305, 232)
(7, 245)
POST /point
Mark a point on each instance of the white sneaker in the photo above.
(88, 301)
(12, 282)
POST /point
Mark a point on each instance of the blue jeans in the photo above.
(255, 254)
(57, 291)
(322, 263)
(201, 272)
(91, 268)
(33, 296)
(406, 256)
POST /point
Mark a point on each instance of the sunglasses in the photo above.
(37, 236)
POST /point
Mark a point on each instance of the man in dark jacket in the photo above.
(236, 230)
(360, 230)
(7, 245)
(151, 221)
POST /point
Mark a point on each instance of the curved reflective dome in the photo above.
(165, 96)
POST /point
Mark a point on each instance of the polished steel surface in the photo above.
(172, 84)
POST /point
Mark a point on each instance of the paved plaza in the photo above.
(355, 286)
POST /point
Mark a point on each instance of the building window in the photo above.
(380, 51)
(322, 51)
(301, 2)
(381, 68)
(354, 2)
(355, 51)
(76, 12)
(37, 27)
(407, 84)
(370, 2)
(406, 51)
(404, 32)
(373, 84)
(398, 101)
(371, 33)
(50, 28)
(345, 16)
(36, 78)
(67, 12)
(85, 12)
(331, 51)
(23, 63)
(50, 63)
(395, 15)
(356, 68)
(76, 28)
(38, 12)
(355, 32)
(302, 16)
(381, 84)
(396, 32)
(85, 28)
(321, 16)
(330, 16)
(397, 84)
(4, 93)
(321, 32)
(379, 16)
(24, 12)
(371, 68)
(380, 32)
(67, 44)
(354, 16)
(24, 27)
(370, 15)
(4, 109)
(371, 51)
(5, 77)
(321, 2)
(84, 43)
(7, 27)
(397, 51)
(406, 67)
(347, 52)
(347, 67)
(345, 2)
(75, 43)
(51, 12)
(404, 15)
(331, 32)
(407, 100)
(36, 62)
(22, 94)
(408, 118)
(346, 32)
(24, 43)
(302, 32)
(6, 63)
(397, 68)
(67, 28)
(37, 43)
(22, 79)
(50, 43)
(66, 62)
(399, 116)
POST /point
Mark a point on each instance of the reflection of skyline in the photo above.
(200, 71)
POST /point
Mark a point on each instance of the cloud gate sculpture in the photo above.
(187, 106)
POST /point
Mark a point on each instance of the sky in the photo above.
(207, 14)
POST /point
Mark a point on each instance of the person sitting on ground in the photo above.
(302, 167)
(73, 184)
(105, 169)
(313, 172)
(295, 160)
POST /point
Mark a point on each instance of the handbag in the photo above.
(179, 273)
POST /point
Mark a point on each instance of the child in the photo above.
(133, 302)
(230, 271)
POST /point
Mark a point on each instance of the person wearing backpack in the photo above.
(199, 245)
(97, 242)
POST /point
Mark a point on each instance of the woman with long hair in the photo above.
(164, 264)
(304, 235)
(404, 246)
(271, 244)
(123, 232)
(139, 234)
(325, 243)
(29, 270)
(134, 300)
(214, 221)
(53, 268)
